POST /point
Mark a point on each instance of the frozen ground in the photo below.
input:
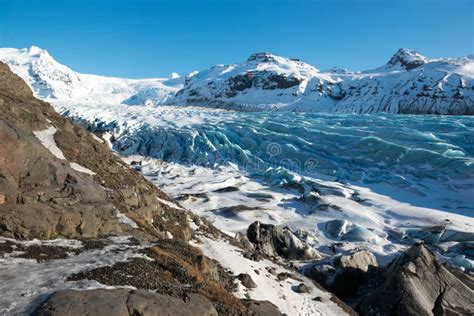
(268, 287)
(27, 282)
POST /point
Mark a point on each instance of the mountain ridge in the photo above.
(409, 83)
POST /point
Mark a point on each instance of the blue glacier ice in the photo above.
(425, 156)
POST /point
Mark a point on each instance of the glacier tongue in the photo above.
(382, 176)
(410, 154)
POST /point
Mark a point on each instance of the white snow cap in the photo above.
(175, 75)
(192, 73)
(35, 50)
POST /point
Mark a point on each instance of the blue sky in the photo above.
(154, 38)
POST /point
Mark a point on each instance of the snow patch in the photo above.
(82, 169)
(46, 137)
(126, 220)
(170, 204)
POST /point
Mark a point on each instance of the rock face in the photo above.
(416, 284)
(279, 241)
(345, 274)
(361, 260)
(123, 302)
(407, 59)
(58, 180)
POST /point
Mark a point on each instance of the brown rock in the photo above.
(122, 302)
(246, 281)
(261, 308)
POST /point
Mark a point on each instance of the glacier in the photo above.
(412, 154)
(387, 178)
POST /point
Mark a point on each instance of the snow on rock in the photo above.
(126, 220)
(407, 59)
(46, 137)
(284, 294)
(409, 83)
(170, 204)
(26, 282)
(82, 169)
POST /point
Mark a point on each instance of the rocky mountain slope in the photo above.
(50, 165)
(408, 84)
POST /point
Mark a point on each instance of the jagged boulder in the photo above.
(352, 271)
(345, 274)
(361, 260)
(279, 241)
(123, 302)
(417, 284)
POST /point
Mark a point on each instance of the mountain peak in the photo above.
(262, 57)
(407, 58)
(35, 50)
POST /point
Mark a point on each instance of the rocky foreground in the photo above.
(83, 234)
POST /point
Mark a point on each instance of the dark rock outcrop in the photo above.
(408, 59)
(416, 284)
(246, 280)
(275, 241)
(344, 275)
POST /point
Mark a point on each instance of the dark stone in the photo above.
(302, 288)
(416, 284)
(246, 281)
(279, 241)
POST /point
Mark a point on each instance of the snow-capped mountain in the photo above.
(407, 83)
(55, 82)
